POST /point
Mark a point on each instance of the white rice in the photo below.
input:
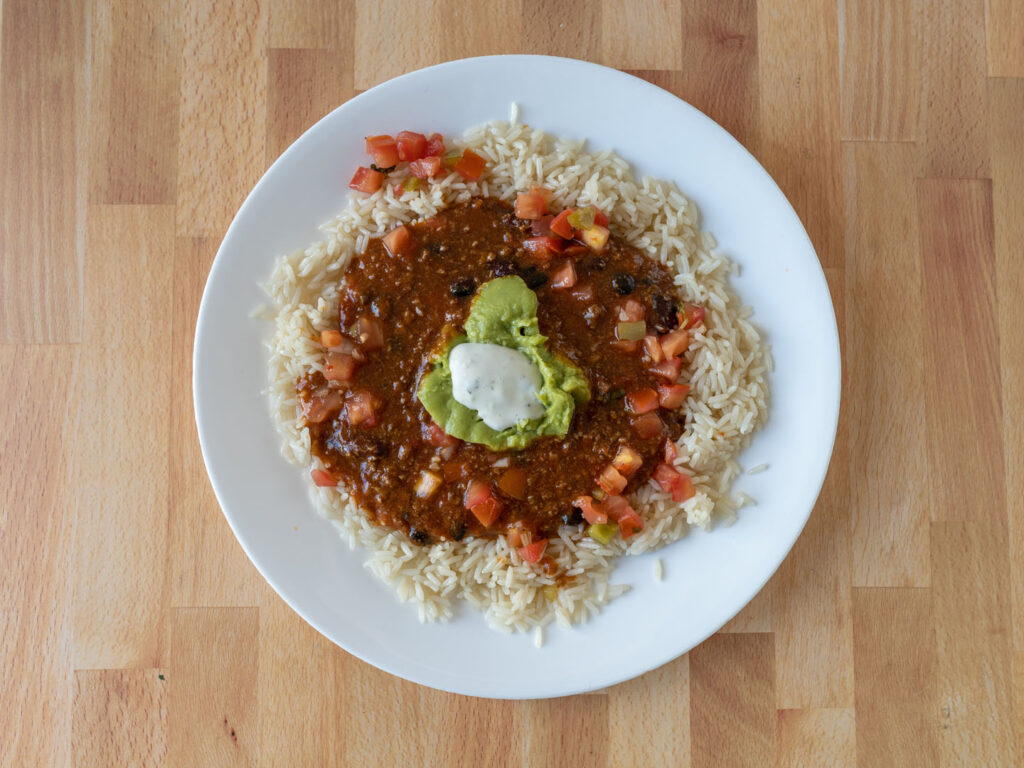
(727, 364)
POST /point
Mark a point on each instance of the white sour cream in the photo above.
(497, 382)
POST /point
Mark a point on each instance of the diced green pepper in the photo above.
(413, 182)
(602, 533)
(582, 218)
(451, 158)
(631, 331)
(550, 592)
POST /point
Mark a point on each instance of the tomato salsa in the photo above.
(603, 304)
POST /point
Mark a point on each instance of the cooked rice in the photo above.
(727, 362)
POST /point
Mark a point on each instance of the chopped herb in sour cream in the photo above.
(497, 382)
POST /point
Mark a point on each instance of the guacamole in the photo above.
(504, 312)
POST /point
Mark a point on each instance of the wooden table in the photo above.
(133, 630)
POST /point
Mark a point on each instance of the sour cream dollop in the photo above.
(497, 382)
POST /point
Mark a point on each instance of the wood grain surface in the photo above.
(133, 630)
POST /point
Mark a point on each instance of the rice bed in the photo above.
(727, 362)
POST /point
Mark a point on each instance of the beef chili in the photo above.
(603, 305)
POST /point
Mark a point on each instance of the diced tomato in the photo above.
(480, 501)
(674, 482)
(595, 238)
(669, 368)
(361, 408)
(693, 315)
(542, 226)
(533, 552)
(543, 247)
(349, 347)
(583, 292)
(564, 276)
(592, 511)
(339, 366)
(531, 205)
(599, 217)
(322, 479)
(575, 250)
(629, 523)
(615, 505)
(627, 461)
(476, 492)
(366, 180)
(671, 451)
(624, 345)
(671, 396)
(470, 165)
(436, 436)
(631, 310)
(648, 425)
(685, 490)
(513, 482)
(331, 338)
(435, 145)
(675, 342)
(411, 146)
(371, 332)
(611, 480)
(321, 404)
(560, 224)
(384, 150)
(487, 511)
(642, 400)
(667, 477)
(653, 348)
(426, 167)
(397, 240)
(518, 535)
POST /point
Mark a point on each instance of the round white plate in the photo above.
(708, 576)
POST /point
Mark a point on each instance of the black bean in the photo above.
(664, 315)
(623, 283)
(433, 248)
(378, 448)
(597, 264)
(463, 287)
(416, 536)
(613, 394)
(458, 532)
(534, 278)
(575, 517)
(503, 267)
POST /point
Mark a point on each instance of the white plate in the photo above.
(708, 577)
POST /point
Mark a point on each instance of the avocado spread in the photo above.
(504, 312)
